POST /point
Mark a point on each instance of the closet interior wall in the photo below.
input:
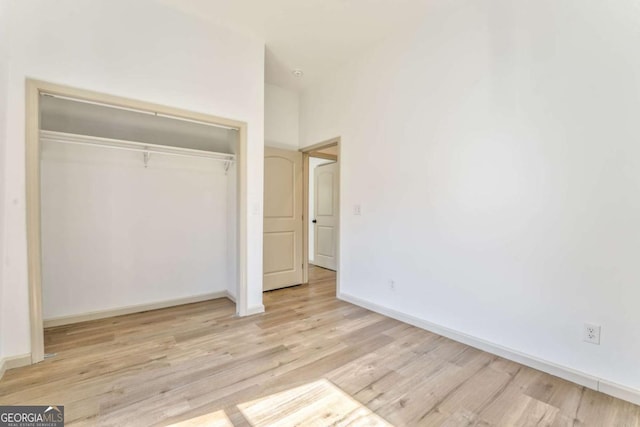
(119, 232)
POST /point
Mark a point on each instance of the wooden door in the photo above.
(326, 215)
(282, 242)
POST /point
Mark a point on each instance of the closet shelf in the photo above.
(147, 149)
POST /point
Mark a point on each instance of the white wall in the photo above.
(140, 50)
(4, 76)
(313, 162)
(494, 151)
(281, 117)
(116, 234)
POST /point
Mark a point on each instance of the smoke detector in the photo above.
(297, 72)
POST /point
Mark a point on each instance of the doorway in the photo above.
(301, 215)
(321, 237)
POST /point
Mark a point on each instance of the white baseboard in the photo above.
(19, 361)
(255, 310)
(103, 314)
(578, 377)
(230, 297)
(619, 391)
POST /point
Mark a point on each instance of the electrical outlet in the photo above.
(357, 210)
(591, 333)
(392, 284)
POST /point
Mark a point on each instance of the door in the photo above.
(282, 248)
(326, 215)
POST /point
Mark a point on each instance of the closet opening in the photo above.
(131, 207)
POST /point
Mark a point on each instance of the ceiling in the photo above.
(313, 35)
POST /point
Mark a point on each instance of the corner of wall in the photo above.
(7, 363)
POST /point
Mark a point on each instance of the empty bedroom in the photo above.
(319, 213)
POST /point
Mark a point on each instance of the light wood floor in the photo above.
(198, 360)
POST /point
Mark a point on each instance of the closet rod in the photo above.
(116, 144)
(135, 110)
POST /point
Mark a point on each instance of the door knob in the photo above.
(314, 221)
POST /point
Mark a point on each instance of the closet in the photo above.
(138, 210)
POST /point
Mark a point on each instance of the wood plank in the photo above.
(198, 364)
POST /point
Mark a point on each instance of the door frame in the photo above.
(311, 151)
(33, 209)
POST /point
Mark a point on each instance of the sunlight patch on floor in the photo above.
(214, 419)
(319, 403)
